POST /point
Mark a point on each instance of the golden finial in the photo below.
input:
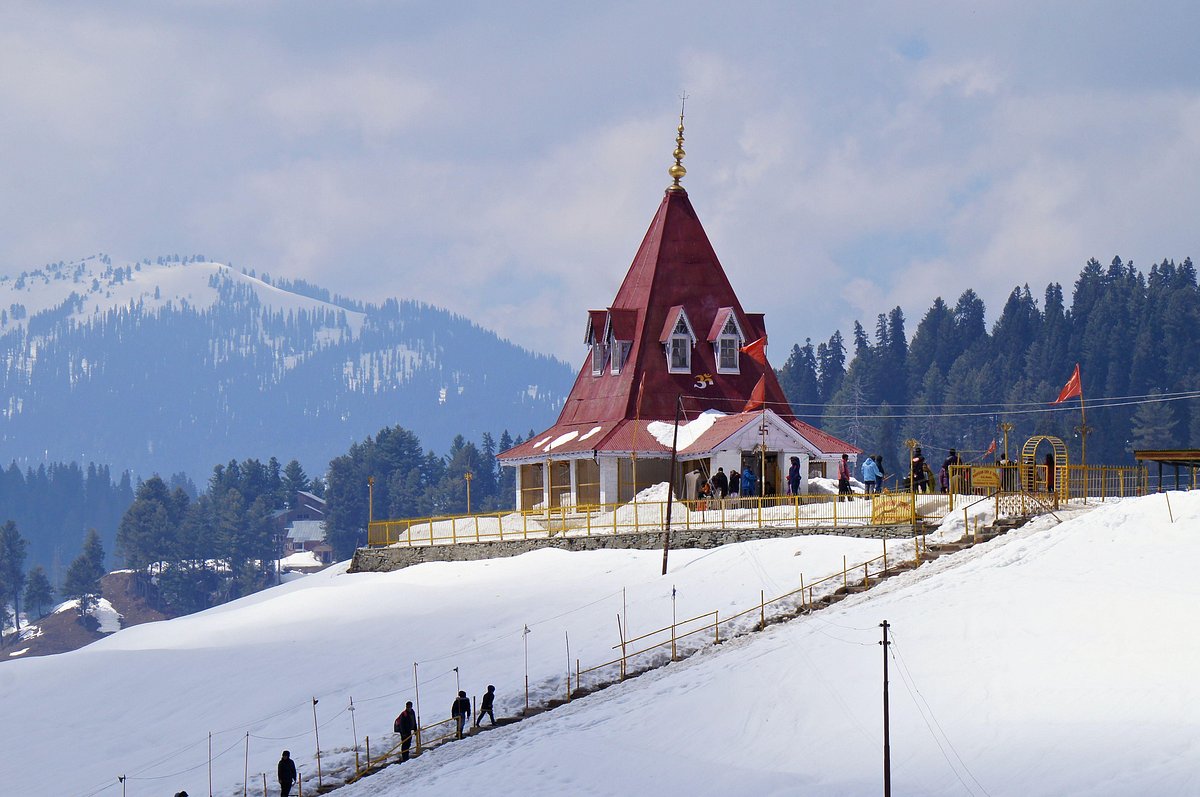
(677, 171)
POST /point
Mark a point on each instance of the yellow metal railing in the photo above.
(816, 511)
(708, 626)
(1069, 483)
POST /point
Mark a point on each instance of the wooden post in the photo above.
(621, 633)
(762, 609)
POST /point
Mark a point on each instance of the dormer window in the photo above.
(727, 345)
(678, 342)
(619, 334)
(596, 339)
(727, 339)
(620, 353)
(599, 355)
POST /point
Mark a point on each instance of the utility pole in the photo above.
(887, 745)
(1005, 428)
(671, 480)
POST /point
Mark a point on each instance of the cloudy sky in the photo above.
(504, 159)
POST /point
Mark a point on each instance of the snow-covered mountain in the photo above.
(183, 363)
(1054, 660)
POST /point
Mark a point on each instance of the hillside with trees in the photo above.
(954, 381)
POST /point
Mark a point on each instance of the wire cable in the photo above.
(911, 685)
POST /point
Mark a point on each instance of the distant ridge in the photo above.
(183, 363)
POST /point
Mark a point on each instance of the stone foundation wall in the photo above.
(383, 560)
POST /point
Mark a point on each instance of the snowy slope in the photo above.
(146, 697)
(155, 285)
(1055, 660)
(179, 365)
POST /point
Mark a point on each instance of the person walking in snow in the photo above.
(720, 483)
(406, 726)
(460, 710)
(485, 706)
(735, 484)
(881, 474)
(287, 774)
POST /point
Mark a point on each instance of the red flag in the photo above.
(991, 448)
(757, 350)
(1073, 387)
(758, 396)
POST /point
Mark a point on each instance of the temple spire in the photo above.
(677, 170)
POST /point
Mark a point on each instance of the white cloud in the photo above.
(505, 162)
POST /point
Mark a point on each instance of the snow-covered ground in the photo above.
(1055, 660)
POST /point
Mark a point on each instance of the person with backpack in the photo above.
(485, 706)
(460, 710)
(287, 774)
(406, 726)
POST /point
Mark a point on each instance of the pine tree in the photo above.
(13, 548)
(1153, 426)
(295, 480)
(84, 574)
(38, 592)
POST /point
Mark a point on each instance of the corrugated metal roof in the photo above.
(675, 269)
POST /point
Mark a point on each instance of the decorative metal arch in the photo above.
(1061, 461)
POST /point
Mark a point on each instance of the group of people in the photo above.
(406, 726)
(922, 480)
(460, 710)
(723, 485)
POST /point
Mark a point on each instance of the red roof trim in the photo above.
(673, 319)
(597, 320)
(622, 324)
(719, 323)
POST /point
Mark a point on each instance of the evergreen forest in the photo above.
(951, 383)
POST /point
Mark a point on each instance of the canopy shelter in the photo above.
(1178, 458)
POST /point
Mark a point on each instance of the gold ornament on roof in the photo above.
(677, 170)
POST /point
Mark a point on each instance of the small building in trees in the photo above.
(301, 527)
(674, 342)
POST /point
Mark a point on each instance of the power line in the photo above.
(914, 692)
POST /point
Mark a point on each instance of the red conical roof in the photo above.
(675, 269)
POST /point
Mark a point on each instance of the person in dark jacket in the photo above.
(485, 706)
(720, 483)
(735, 483)
(882, 474)
(794, 477)
(406, 726)
(460, 710)
(920, 477)
(951, 482)
(287, 774)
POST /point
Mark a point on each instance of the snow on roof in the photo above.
(689, 432)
